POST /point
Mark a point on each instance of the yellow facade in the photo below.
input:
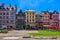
(30, 17)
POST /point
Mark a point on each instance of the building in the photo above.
(59, 20)
(38, 21)
(30, 18)
(20, 20)
(7, 16)
(54, 19)
(12, 17)
(45, 17)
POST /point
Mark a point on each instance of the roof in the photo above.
(55, 11)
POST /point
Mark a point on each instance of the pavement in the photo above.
(15, 35)
(18, 35)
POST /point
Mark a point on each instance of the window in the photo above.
(7, 8)
(36, 15)
(0, 17)
(7, 13)
(30, 20)
(3, 13)
(12, 13)
(3, 21)
(33, 13)
(11, 16)
(30, 16)
(0, 13)
(27, 20)
(3, 17)
(33, 20)
(12, 21)
(30, 13)
(7, 17)
(27, 16)
(7, 21)
(27, 13)
(12, 8)
(0, 21)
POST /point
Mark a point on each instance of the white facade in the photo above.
(7, 16)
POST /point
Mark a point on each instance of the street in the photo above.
(18, 35)
(14, 35)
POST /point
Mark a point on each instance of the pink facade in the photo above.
(55, 19)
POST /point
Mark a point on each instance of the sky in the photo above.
(37, 5)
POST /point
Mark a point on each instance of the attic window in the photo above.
(7, 8)
(45, 13)
(12, 8)
(3, 8)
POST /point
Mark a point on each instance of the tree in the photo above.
(25, 26)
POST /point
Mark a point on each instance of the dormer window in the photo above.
(12, 8)
(7, 8)
(3, 8)
(45, 12)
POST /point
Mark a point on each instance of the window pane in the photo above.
(0, 13)
(7, 13)
(3, 13)
(3, 21)
(12, 21)
(3, 17)
(7, 21)
(7, 17)
(0, 17)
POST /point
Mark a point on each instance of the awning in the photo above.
(53, 27)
